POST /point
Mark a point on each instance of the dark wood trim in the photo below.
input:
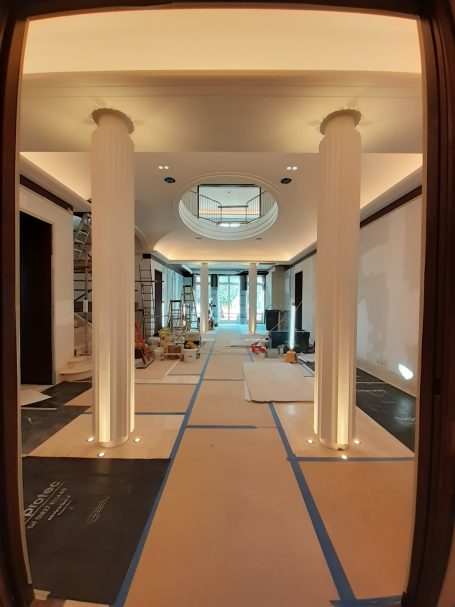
(303, 258)
(32, 8)
(14, 587)
(393, 206)
(170, 266)
(35, 187)
(435, 503)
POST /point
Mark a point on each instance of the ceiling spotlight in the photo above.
(137, 439)
(310, 441)
(258, 238)
(90, 439)
(101, 453)
(286, 180)
(199, 238)
(344, 457)
(169, 180)
(356, 441)
(292, 168)
(164, 167)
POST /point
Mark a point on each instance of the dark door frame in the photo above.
(436, 458)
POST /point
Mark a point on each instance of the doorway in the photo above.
(158, 300)
(298, 293)
(229, 298)
(36, 300)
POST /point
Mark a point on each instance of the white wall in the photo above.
(388, 296)
(62, 270)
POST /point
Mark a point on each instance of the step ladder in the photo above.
(140, 344)
(176, 321)
(147, 293)
(82, 235)
(189, 314)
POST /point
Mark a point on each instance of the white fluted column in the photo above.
(112, 160)
(204, 297)
(252, 297)
(336, 279)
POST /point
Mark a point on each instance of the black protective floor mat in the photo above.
(60, 395)
(38, 426)
(390, 407)
(83, 519)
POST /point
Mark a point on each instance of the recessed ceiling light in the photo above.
(199, 238)
(169, 180)
(292, 168)
(258, 238)
(164, 167)
(286, 180)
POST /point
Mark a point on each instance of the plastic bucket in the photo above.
(158, 353)
(189, 355)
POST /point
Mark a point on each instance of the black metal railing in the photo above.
(212, 210)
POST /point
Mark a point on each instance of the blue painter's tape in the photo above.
(220, 427)
(120, 601)
(333, 562)
(374, 602)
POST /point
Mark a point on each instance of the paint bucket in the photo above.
(158, 353)
(190, 354)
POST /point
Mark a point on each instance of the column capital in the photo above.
(98, 114)
(354, 114)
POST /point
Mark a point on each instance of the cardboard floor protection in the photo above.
(151, 398)
(367, 508)
(189, 367)
(226, 366)
(375, 441)
(278, 382)
(83, 519)
(157, 370)
(157, 435)
(223, 403)
(231, 530)
(28, 397)
(60, 394)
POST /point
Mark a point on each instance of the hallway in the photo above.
(249, 513)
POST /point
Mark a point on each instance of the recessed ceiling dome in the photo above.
(228, 211)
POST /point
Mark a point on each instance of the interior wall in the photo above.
(447, 598)
(308, 308)
(388, 295)
(62, 271)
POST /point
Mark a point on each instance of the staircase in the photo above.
(80, 367)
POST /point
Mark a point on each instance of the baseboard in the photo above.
(394, 379)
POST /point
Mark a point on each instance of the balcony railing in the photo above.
(230, 215)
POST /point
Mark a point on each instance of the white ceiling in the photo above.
(241, 125)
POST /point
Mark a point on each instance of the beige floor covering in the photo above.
(150, 398)
(297, 420)
(223, 403)
(157, 433)
(367, 510)
(29, 397)
(222, 366)
(156, 370)
(190, 368)
(278, 382)
(243, 537)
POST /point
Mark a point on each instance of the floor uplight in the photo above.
(344, 457)
(310, 441)
(137, 439)
(356, 441)
(102, 454)
(90, 439)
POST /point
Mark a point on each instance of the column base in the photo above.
(334, 446)
(111, 444)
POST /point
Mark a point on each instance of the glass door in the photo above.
(229, 298)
